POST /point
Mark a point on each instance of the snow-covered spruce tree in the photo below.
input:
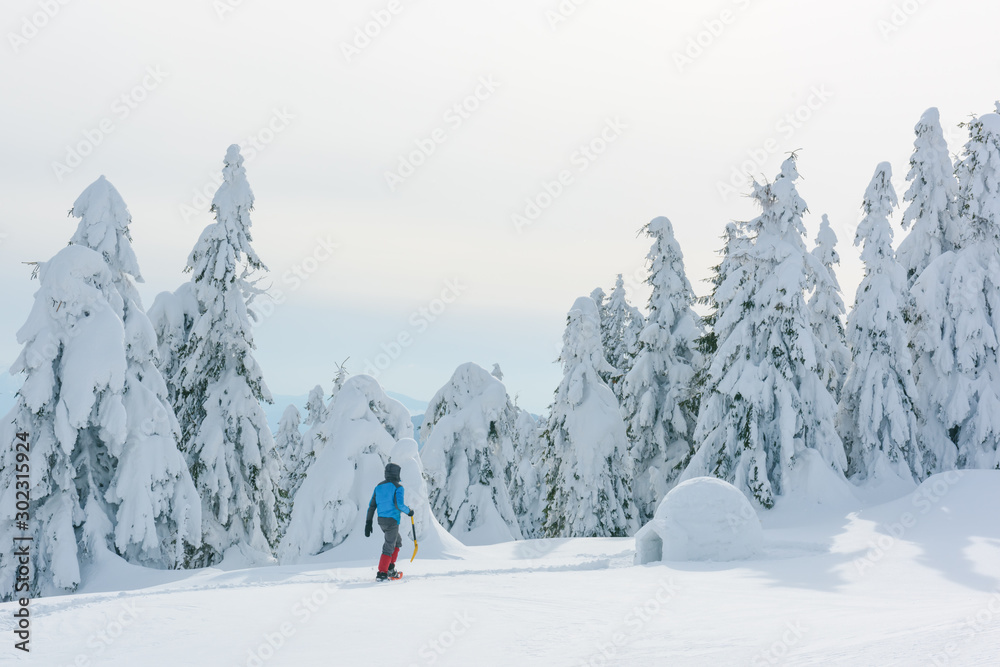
(315, 406)
(621, 325)
(360, 427)
(937, 229)
(612, 375)
(225, 436)
(172, 316)
(729, 272)
(957, 298)
(527, 477)
(288, 445)
(826, 309)
(877, 417)
(932, 198)
(467, 433)
(586, 459)
(152, 488)
(658, 417)
(71, 413)
(340, 377)
(765, 401)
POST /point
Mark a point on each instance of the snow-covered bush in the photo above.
(468, 445)
(701, 519)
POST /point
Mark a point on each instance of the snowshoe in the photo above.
(382, 576)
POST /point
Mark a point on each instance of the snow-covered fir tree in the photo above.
(95, 485)
(586, 459)
(172, 316)
(340, 377)
(612, 375)
(621, 325)
(315, 406)
(658, 416)
(225, 435)
(527, 476)
(150, 467)
(729, 271)
(936, 229)
(361, 425)
(826, 309)
(877, 415)
(468, 444)
(288, 446)
(932, 197)
(957, 299)
(765, 400)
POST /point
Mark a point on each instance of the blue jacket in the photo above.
(388, 499)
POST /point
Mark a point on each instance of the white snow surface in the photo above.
(702, 519)
(903, 583)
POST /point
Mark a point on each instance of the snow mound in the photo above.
(703, 519)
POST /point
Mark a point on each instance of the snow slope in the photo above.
(915, 581)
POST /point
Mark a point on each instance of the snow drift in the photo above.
(352, 445)
(701, 519)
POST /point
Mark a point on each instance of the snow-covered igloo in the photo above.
(703, 519)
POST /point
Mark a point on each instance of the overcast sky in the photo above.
(671, 98)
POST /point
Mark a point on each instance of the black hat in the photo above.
(392, 472)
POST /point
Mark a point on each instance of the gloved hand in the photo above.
(410, 513)
(368, 530)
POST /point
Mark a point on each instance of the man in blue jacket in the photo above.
(388, 500)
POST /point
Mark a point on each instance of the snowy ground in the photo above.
(912, 582)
